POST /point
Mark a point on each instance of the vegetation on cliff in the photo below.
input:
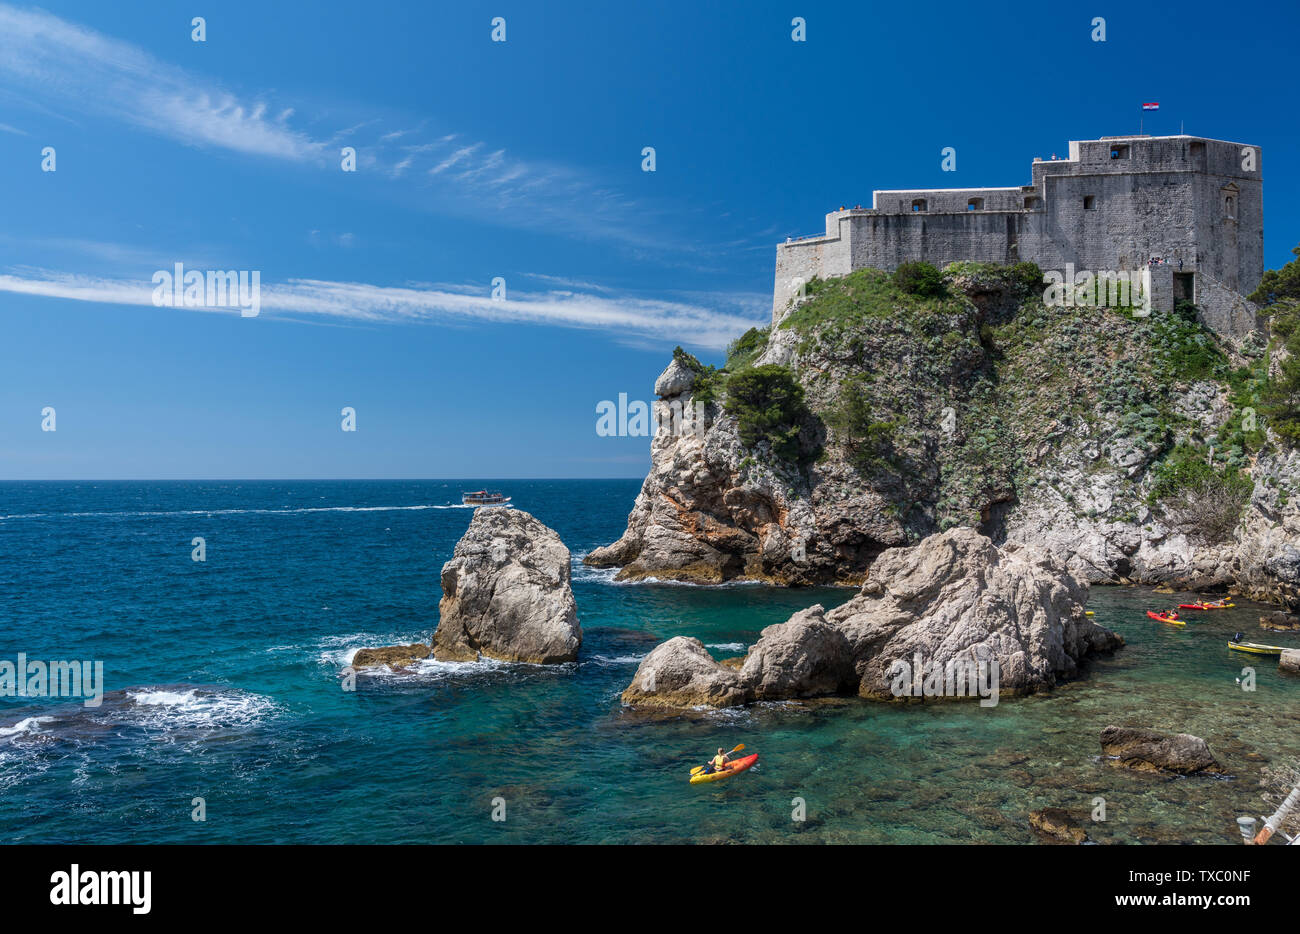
(955, 395)
(769, 406)
(1279, 294)
(950, 392)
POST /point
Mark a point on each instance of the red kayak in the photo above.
(1205, 606)
(1165, 619)
(734, 767)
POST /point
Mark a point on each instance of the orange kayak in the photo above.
(734, 767)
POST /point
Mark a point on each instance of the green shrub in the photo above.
(1280, 397)
(709, 380)
(1029, 276)
(919, 278)
(1186, 349)
(1202, 501)
(867, 438)
(769, 406)
(745, 348)
(1279, 285)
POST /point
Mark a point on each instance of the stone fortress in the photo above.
(1190, 209)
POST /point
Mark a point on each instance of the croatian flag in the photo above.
(1152, 106)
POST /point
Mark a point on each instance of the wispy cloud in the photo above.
(86, 71)
(49, 63)
(707, 322)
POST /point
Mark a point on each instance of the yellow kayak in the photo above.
(734, 767)
(1255, 648)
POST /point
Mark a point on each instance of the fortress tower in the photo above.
(1116, 203)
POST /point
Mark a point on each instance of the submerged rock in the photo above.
(1280, 621)
(506, 593)
(1149, 751)
(949, 604)
(1289, 662)
(1058, 824)
(395, 656)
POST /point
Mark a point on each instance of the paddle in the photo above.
(699, 768)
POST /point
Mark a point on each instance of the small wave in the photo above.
(725, 714)
(609, 575)
(586, 573)
(430, 669)
(725, 646)
(166, 708)
(611, 661)
(26, 725)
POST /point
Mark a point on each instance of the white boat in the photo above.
(484, 498)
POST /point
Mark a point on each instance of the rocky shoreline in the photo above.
(952, 617)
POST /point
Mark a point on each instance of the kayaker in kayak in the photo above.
(717, 763)
(1172, 614)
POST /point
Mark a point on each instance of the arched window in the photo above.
(1230, 207)
(918, 204)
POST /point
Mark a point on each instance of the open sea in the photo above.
(224, 682)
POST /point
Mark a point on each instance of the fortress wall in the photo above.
(946, 200)
(800, 261)
(1132, 219)
(1223, 310)
(1231, 244)
(886, 240)
(1166, 197)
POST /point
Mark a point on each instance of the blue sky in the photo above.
(520, 160)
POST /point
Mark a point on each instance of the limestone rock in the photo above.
(395, 656)
(954, 597)
(709, 512)
(803, 657)
(506, 593)
(1289, 661)
(675, 380)
(1149, 751)
(681, 673)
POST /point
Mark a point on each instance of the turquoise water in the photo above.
(224, 682)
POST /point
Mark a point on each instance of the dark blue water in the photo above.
(224, 683)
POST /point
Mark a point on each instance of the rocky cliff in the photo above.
(875, 413)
